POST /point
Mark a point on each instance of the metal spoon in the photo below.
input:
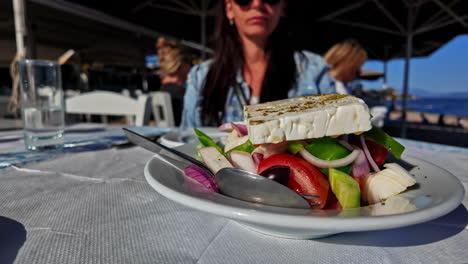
(252, 187)
(236, 183)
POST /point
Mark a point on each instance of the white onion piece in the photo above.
(368, 155)
(242, 160)
(270, 149)
(257, 157)
(329, 163)
(233, 140)
(240, 128)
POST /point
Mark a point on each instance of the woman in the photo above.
(173, 70)
(254, 62)
(345, 59)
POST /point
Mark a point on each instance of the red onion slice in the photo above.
(368, 155)
(360, 169)
(240, 128)
(226, 127)
(201, 176)
(257, 157)
(346, 144)
(360, 166)
(329, 163)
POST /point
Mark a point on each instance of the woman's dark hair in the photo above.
(228, 60)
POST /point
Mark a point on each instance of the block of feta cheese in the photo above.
(306, 118)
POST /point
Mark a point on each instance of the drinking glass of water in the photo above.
(42, 104)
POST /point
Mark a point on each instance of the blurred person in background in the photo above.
(254, 62)
(345, 60)
(173, 69)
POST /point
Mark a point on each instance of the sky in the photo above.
(445, 71)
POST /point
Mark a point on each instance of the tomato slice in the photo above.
(304, 177)
(378, 152)
(332, 202)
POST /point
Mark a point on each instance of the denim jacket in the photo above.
(312, 79)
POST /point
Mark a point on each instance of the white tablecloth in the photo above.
(96, 207)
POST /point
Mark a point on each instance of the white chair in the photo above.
(126, 92)
(138, 92)
(162, 109)
(110, 103)
(71, 93)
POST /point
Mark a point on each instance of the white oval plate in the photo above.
(424, 203)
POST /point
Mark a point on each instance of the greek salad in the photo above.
(347, 171)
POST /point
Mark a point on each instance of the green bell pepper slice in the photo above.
(206, 141)
(384, 139)
(246, 147)
(329, 149)
(295, 146)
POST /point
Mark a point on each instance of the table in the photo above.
(10, 124)
(96, 207)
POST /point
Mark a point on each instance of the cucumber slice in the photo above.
(345, 188)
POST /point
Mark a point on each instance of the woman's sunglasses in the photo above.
(248, 2)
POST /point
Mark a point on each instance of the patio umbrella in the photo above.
(188, 21)
(382, 26)
(112, 34)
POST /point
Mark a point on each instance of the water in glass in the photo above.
(42, 104)
(43, 127)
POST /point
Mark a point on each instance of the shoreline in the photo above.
(452, 131)
(431, 118)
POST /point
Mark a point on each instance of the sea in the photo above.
(446, 106)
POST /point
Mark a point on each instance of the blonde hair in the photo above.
(346, 56)
(170, 56)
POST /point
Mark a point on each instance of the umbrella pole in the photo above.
(385, 64)
(20, 35)
(144, 75)
(385, 75)
(409, 48)
(20, 27)
(409, 42)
